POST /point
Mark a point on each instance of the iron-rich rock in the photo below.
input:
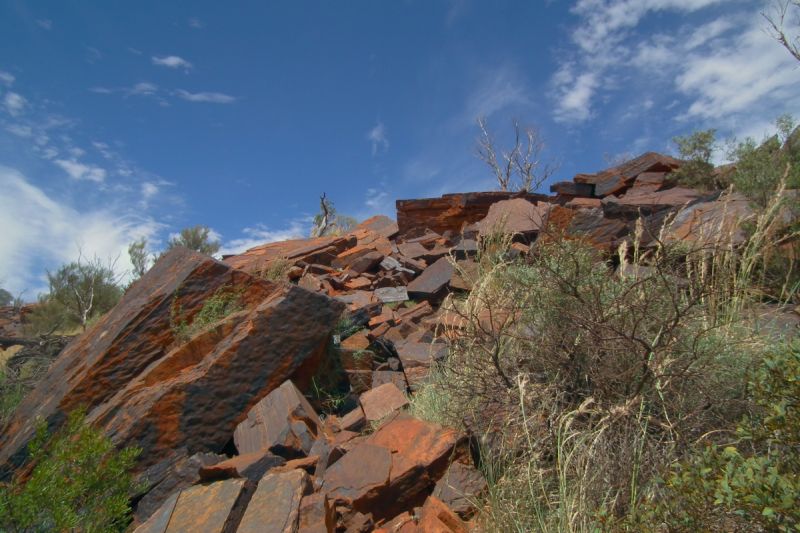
(382, 400)
(275, 506)
(459, 488)
(572, 188)
(436, 517)
(283, 423)
(432, 281)
(252, 466)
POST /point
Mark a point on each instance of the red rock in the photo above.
(158, 522)
(352, 256)
(654, 180)
(306, 250)
(432, 281)
(584, 204)
(600, 232)
(392, 294)
(380, 401)
(387, 316)
(572, 188)
(515, 216)
(353, 421)
(411, 264)
(451, 211)
(214, 508)
(362, 299)
(460, 488)
(317, 509)
(310, 282)
(307, 464)
(252, 466)
(358, 283)
(414, 354)
(357, 342)
(611, 183)
(412, 250)
(421, 335)
(360, 380)
(437, 518)
(345, 436)
(465, 275)
(380, 377)
(382, 225)
(283, 422)
(417, 313)
(420, 452)
(170, 476)
(275, 506)
(136, 333)
(396, 523)
(379, 330)
(359, 479)
(647, 201)
(355, 360)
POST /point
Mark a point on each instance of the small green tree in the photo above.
(195, 238)
(329, 222)
(140, 259)
(80, 483)
(85, 288)
(697, 150)
(5, 297)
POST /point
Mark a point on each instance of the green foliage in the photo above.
(196, 238)
(756, 481)
(12, 392)
(5, 297)
(84, 288)
(224, 302)
(140, 259)
(334, 223)
(697, 150)
(80, 483)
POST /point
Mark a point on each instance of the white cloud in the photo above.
(144, 88)
(20, 131)
(261, 234)
(77, 152)
(134, 51)
(31, 244)
(15, 104)
(49, 153)
(79, 171)
(499, 88)
(196, 23)
(101, 90)
(7, 78)
(575, 98)
(149, 190)
(46, 24)
(171, 62)
(217, 98)
(377, 136)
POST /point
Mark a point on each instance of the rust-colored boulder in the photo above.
(316, 510)
(382, 225)
(648, 201)
(199, 402)
(382, 400)
(465, 276)
(416, 354)
(416, 313)
(460, 488)
(430, 284)
(120, 348)
(359, 480)
(381, 377)
(252, 466)
(321, 250)
(514, 216)
(283, 423)
(275, 506)
(572, 189)
(598, 231)
(436, 517)
(451, 211)
(214, 508)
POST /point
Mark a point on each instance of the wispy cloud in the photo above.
(80, 171)
(196, 23)
(377, 136)
(15, 104)
(20, 130)
(6, 78)
(217, 98)
(46, 24)
(499, 88)
(171, 62)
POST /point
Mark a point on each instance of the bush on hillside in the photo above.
(79, 483)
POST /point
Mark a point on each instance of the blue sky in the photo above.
(128, 119)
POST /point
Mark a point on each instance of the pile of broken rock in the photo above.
(230, 442)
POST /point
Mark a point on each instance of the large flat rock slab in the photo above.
(308, 250)
(199, 405)
(275, 506)
(119, 348)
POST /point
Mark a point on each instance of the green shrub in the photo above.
(697, 150)
(80, 483)
(752, 482)
(224, 302)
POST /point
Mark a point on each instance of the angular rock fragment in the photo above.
(133, 335)
(382, 225)
(430, 284)
(460, 488)
(515, 216)
(359, 479)
(316, 510)
(437, 518)
(572, 188)
(466, 274)
(381, 401)
(283, 423)
(412, 250)
(307, 250)
(381, 377)
(252, 466)
(354, 420)
(275, 506)
(414, 354)
(417, 313)
(648, 202)
(392, 294)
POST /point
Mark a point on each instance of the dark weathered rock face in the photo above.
(198, 405)
(451, 211)
(136, 333)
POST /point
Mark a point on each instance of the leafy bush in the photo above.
(79, 483)
(753, 482)
(697, 150)
(197, 238)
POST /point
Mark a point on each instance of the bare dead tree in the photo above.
(783, 23)
(616, 160)
(520, 168)
(324, 219)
